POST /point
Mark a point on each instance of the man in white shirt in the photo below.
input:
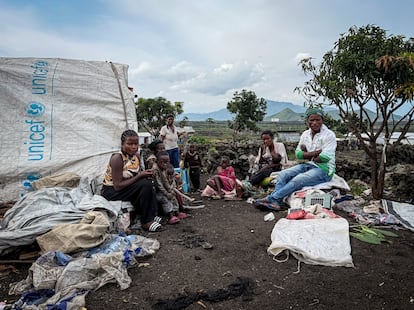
(317, 145)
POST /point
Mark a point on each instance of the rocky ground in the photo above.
(237, 273)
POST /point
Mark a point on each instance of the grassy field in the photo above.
(217, 131)
(220, 131)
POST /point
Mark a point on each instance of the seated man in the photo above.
(317, 145)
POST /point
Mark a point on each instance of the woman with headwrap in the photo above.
(317, 145)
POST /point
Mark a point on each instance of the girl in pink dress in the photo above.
(225, 179)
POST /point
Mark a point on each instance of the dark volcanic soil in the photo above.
(383, 276)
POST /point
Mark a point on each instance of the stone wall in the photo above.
(351, 164)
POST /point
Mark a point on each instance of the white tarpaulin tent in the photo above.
(59, 115)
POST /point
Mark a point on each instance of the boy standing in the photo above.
(192, 161)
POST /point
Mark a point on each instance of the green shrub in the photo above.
(357, 188)
(199, 140)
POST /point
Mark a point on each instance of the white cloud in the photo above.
(222, 79)
(301, 56)
(197, 52)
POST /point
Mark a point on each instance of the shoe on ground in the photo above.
(182, 215)
(173, 220)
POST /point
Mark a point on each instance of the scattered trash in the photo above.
(250, 200)
(206, 245)
(269, 217)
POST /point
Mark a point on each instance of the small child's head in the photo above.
(156, 146)
(276, 159)
(192, 148)
(225, 161)
(151, 160)
(163, 160)
(160, 147)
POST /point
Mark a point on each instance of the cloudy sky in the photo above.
(196, 51)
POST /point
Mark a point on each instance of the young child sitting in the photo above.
(165, 189)
(225, 179)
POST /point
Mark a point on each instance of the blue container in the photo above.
(183, 173)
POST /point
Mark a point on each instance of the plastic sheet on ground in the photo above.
(71, 277)
(314, 241)
(404, 212)
(39, 211)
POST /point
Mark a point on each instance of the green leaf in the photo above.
(368, 238)
(384, 232)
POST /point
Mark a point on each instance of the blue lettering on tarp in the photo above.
(36, 136)
(41, 69)
(35, 111)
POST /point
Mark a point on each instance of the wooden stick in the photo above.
(183, 195)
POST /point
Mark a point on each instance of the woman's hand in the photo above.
(146, 174)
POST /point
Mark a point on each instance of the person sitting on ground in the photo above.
(225, 179)
(155, 147)
(123, 180)
(268, 159)
(192, 161)
(317, 145)
(165, 192)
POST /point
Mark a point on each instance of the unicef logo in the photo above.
(35, 109)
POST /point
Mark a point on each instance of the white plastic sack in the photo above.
(59, 115)
(314, 241)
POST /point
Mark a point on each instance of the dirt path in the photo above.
(381, 279)
(383, 276)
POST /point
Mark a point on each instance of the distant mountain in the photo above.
(219, 115)
(283, 111)
(286, 115)
(273, 107)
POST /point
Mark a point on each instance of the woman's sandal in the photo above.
(161, 220)
(153, 227)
